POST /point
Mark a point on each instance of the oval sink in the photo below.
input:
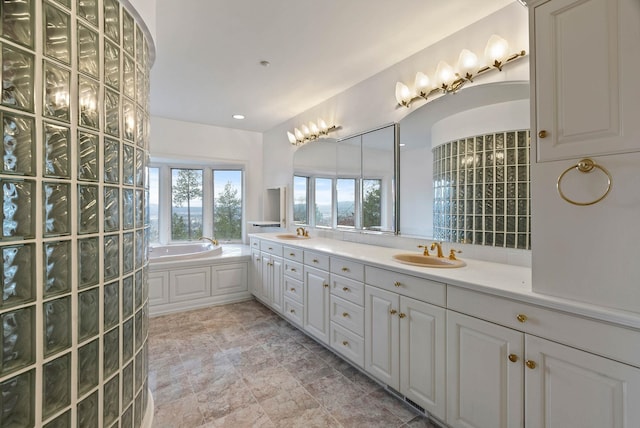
(291, 236)
(428, 261)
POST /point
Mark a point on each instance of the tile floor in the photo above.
(240, 365)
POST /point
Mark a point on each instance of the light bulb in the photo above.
(305, 131)
(496, 51)
(324, 129)
(299, 135)
(444, 75)
(467, 63)
(422, 84)
(314, 129)
(403, 95)
(292, 138)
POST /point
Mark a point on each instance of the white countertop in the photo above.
(503, 280)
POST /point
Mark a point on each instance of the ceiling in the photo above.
(208, 54)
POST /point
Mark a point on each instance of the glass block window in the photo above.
(481, 190)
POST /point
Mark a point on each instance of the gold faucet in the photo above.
(452, 254)
(213, 241)
(301, 231)
(426, 250)
(437, 245)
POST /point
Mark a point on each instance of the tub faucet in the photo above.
(213, 241)
(437, 245)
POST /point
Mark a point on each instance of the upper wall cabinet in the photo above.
(587, 97)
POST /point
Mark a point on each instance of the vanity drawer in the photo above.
(411, 286)
(317, 260)
(271, 248)
(291, 253)
(580, 332)
(293, 311)
(347, 268)
(293, 289)
(293, 269)
(254, 243)
(348, 289)
(348, 315)
(347, 344)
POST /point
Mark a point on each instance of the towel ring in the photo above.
(585, 165)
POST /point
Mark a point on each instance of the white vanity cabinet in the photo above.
(272, 273)
(501, 373)
(586, 59)
(405, 337)
(293, 289)
(316, 303)
(255, 275)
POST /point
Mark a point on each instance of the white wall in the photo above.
(188, 142)
(371, 103)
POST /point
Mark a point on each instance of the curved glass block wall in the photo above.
(481, 190)
(74, 311)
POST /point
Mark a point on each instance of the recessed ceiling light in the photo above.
(265, 63)
(238, 116)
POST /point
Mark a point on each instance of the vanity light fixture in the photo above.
(310, 132)
(449, 80)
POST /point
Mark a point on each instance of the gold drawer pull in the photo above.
(522, 318)
(345, 289)
(402, 315)
(345, 269)
(393, 312)
(270, 248)
(531, 364)
(293, 289)
(292, 311)
(293, 269)
(292, 254)
(397, 283)
(513, 358)
(345, 314)
(325, 285)
(345, 343)
(316, 261)
(542, 134)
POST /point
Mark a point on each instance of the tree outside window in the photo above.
(186, 207)
(227, 204)
(371, 206)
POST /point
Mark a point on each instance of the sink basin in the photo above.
(291, 236)
(428, 261)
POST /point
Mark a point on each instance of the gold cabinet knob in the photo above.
(293, 269)
(293, 289)
(522, 317)
(397, 283)
(345, 288)
(345, 269)
(292, 311)
(542, 134)
(402, 315)
(393, 312)
(325, 285)
(531, 364)
(270, 248)
(345, 343)
(345, 314)
(513, 358)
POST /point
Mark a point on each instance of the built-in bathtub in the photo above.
(195, 275)
(172, 252)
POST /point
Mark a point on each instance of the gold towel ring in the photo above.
(585, 165)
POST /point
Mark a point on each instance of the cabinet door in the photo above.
(255, 276)
(381, 335)
(484, 388)
(158, 288)
(572, 388)
(316, 303)
(276, 284)
(228, 279)
(586, 62)
(422, 354)
(266, 284)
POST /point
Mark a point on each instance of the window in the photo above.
(227, 204)
(346, 202)
(371, 204)
(188, 203)
(323, 206)
(300, 198)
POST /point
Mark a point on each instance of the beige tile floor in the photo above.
(241, 365)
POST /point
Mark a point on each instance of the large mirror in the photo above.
(482, 112)
(349, 184)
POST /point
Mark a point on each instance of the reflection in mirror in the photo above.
(477, 111)
(352, 182)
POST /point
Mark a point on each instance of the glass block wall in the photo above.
(74, 111)
(481, 190)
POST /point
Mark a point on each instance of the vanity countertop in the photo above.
(513, 282)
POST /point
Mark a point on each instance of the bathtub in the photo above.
(173, 252)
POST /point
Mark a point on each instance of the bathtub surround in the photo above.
(74, 310)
